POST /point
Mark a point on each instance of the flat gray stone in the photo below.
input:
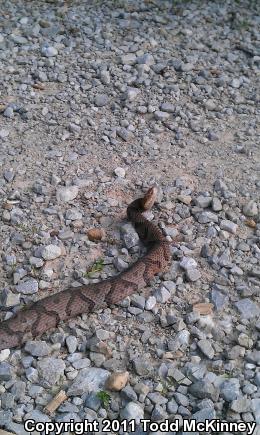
(50, 252)
(253, 357)
(131, 93)
(125, 134)
(129, 394)
(172, 407)
(37, 348)
(4, 133)
(16, 428)
(72, 343)
(150, 303)
(162, 295)
(9, 174)
(138, 301)
(204, 389)
(132, 411)
(229, 226)
(188, 263)
(247, 308)
(51, 371)
(219, 299)
(203, 201)
(5, 371)
(37, 416)
(142, 366)
(73, 214)
(93, 402)
(255, 271)
(88, 380)
(18, 39)
(130, 236)
(206, 348)
(230, 389)
(83, 363)
(32, 374)
(192, 275)
(255, 405)
(206, 217)
(18, 390)
(28, 287)
(242, 404)
(4, 354)
(157, 398)
(158, 413)
(49, 51)
(161, 116)
(146, 59)
(10, 299)
(204, 414)
(128, 59)
(181, 399)
(36, 262)
(250, 209)
(67, 194)
(216, 204)
(168, 107)
(101, 100)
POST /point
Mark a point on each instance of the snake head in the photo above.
(149, 198)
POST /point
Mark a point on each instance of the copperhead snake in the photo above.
(46, 313)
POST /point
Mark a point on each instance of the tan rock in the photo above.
(3, 432)
(250, 223)
(95, 234)
(185, 199)
(203, 309)
(117, 381)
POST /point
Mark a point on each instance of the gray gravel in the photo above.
(98, 101)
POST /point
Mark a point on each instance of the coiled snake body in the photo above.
(48, 312)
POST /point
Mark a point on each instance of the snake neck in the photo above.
(149, 233)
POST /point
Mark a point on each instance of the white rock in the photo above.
(188, 263)
(128, 59)
(50, 252)
(235, 83)
(47, 273)
(4, 354)
(68, 193)
(49, 51)
(250, 209)
(4, 133)
(131, 94)
(43, 284)
(120, 172)
(150, 303)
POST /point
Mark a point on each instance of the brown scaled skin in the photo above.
(46, 313)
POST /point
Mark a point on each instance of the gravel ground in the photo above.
(98, 101)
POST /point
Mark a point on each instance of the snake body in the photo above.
(46, 313)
